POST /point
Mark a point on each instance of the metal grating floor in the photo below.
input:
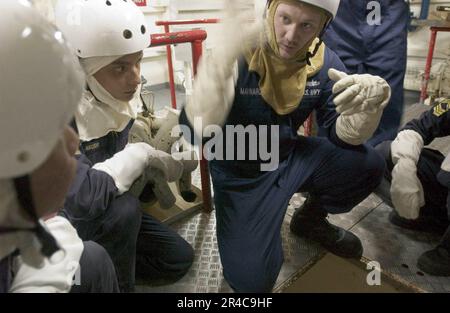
(397, 250)
(394, 248)
(205, 274)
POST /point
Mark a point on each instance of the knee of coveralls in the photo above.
(249, 215)
(96, 273)
(365, 174)
(118, 235)
(122, 220)
(246, 270)
(162, 254)
(251, 255)
(176, 264)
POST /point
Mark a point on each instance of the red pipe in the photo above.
(172, 38)
(185, 22)
(426, 79)
(196, 38)
(170, 65)
(177, 37)
(197, 51)
(169, 50)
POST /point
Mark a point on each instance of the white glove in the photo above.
(127, 165)
(406, 190)
(170, 167)
(360, 103)
(165, 137)
(52, 277)
(141, 130)
(407, 145)
(213, 88)
(161, 188)
(445, 166)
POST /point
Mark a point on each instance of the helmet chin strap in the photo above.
(310, 55)
(25, 198)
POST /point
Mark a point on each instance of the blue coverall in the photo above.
(137, 243)
(250, 204)
(366, 47)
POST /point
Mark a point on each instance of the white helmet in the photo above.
(331, 6)
(103, 27)
(42, 82)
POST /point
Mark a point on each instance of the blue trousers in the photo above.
(139, 245)
(250, 211)
(97, 273)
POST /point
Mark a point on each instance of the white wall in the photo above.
(155, 65)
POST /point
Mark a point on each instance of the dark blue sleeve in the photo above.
(188, 133)
(432, 123)
(326, 114)
(183, 121)
(91, 192)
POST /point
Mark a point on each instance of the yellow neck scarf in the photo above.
(282, 82)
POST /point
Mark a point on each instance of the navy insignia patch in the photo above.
(441, 107)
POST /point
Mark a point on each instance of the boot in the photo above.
(190, 163)
(147, 194)
(423, 223)
(436, 262)
(310, 222)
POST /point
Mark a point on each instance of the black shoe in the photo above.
(311, 223)
(188, 196)
(435, 262)
(147, 195)
(423, 223)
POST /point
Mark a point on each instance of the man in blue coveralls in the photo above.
(273, 79)
(109, 41)
(417, 183)
(371, 37)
